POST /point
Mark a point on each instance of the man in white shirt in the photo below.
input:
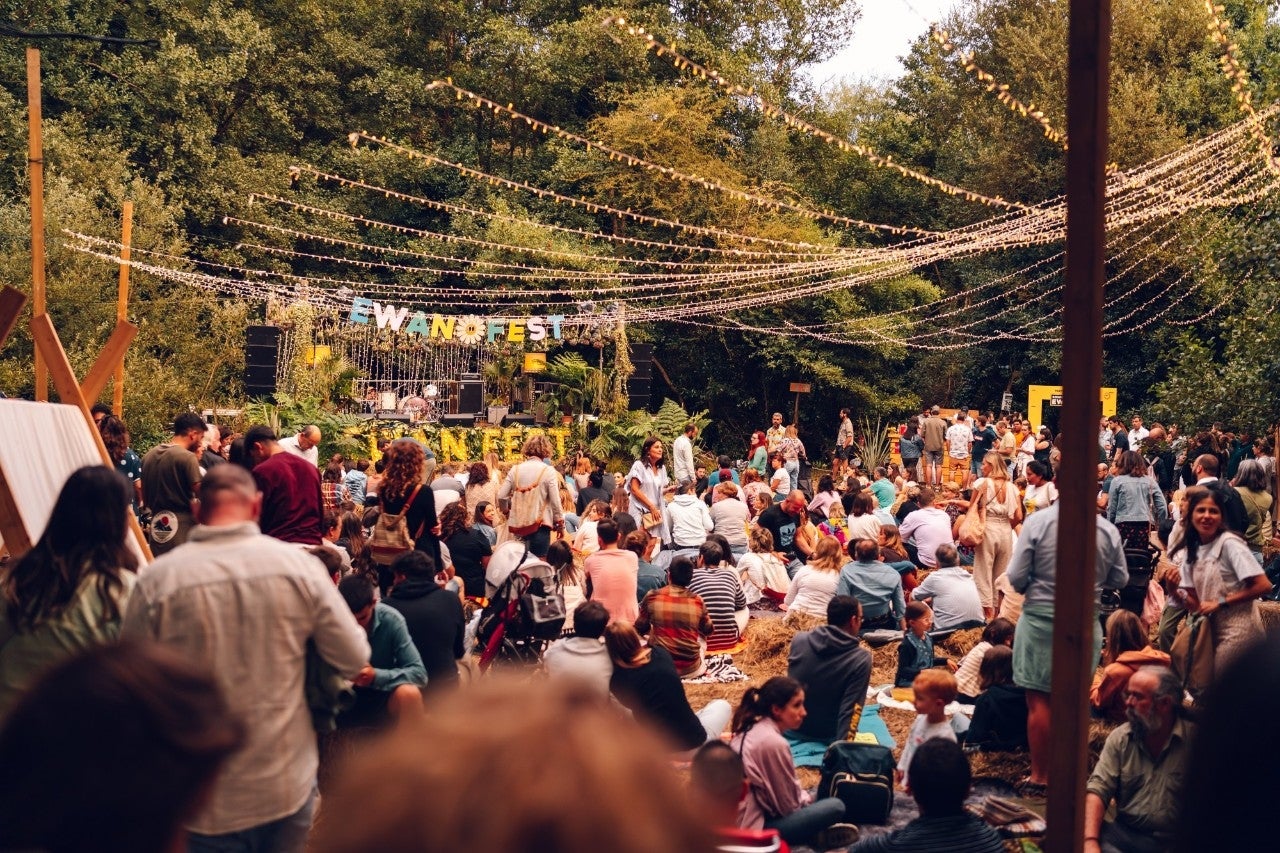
(1137, 434)
(689, 521)
(929, 526)
(305, 444)
(959, 441)
(246, 605)
(682, 451)
(951, 592)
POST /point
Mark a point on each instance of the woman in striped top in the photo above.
(721, 592)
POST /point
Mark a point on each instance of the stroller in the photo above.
(525, 609)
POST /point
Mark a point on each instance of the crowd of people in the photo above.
(659, 571)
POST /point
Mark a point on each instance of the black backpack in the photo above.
(861, 775)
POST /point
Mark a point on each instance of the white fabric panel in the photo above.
(41, 444)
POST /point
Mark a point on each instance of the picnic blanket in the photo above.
(720, 670)
(808, 752)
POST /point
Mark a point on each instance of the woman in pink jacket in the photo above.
(776, 800)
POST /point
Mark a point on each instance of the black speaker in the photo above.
(470, 397)
(260, 336)
(522, 418)
(459, 420)
(638, 383)
(261, 350)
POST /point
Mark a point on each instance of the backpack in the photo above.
(861, 775)
(390, 537)
(525, 516)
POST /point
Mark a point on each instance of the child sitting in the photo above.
(998, 633)
(934, 689)
(916, 651)
(585, 541)
(1000, 714)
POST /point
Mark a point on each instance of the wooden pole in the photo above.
(69, 392)
(122, 303)
(1088, 57)
(1275, 449)
(35, 167)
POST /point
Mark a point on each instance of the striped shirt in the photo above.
(675, 619)
(722, 593)
(962, 833)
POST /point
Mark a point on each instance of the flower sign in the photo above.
(469, 331)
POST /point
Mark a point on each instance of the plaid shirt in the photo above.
(676, 619)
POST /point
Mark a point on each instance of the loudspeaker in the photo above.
(638, 383)
(261, 350)
(524, 418)
(459, 420)
(470, 397)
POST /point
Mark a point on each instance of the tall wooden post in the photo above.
(122, 302)
(1088, 57)
(35, 167)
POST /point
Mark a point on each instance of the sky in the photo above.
(883, 33)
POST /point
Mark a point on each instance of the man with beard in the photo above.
(1142, 767)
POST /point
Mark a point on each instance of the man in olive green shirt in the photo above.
(1141, 768)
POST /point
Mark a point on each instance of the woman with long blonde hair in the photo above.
(999, 505)
(814, 585)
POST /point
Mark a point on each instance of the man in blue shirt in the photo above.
(389, 684)
(877, 586)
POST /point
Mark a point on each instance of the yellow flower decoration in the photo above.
(471, 330)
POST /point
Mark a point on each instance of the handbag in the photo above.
(544, 613)
(650, 520)
(973, 527)
(1191, 655)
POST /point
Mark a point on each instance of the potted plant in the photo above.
(576, 386)
(501, 375)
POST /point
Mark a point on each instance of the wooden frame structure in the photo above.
(71, 392)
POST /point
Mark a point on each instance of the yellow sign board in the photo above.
(1038, 395)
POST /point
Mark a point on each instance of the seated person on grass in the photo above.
(390, 684)
(836, 669)
(676, 619)
(942, 779)
(1142, 768)
(718, 781)
(583, 657)
(877, 587)
(951, 593)
(915, 653)
(934, 690)
(1000, 714)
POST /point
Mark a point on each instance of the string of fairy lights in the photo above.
(714, 275)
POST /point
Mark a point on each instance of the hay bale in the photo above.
(768, 643)
(958, 644)
(884, 663)
(1270, 611)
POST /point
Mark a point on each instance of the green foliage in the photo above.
(340, 433)
(619, 439)
(578, 384)
(873, 443)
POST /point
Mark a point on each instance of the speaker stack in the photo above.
(261, 353)
(470, 394)
(638, 384)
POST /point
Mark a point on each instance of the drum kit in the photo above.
(430, 405)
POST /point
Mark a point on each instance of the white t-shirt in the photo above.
(780, 481)
(290, 443)
(1039, 497)
(921, 731)
(959, 438)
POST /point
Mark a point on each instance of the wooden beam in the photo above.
(35, 167)
(1088, 61)
(111, 357)
(12, 301)
(122, 302)
(64, 382)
